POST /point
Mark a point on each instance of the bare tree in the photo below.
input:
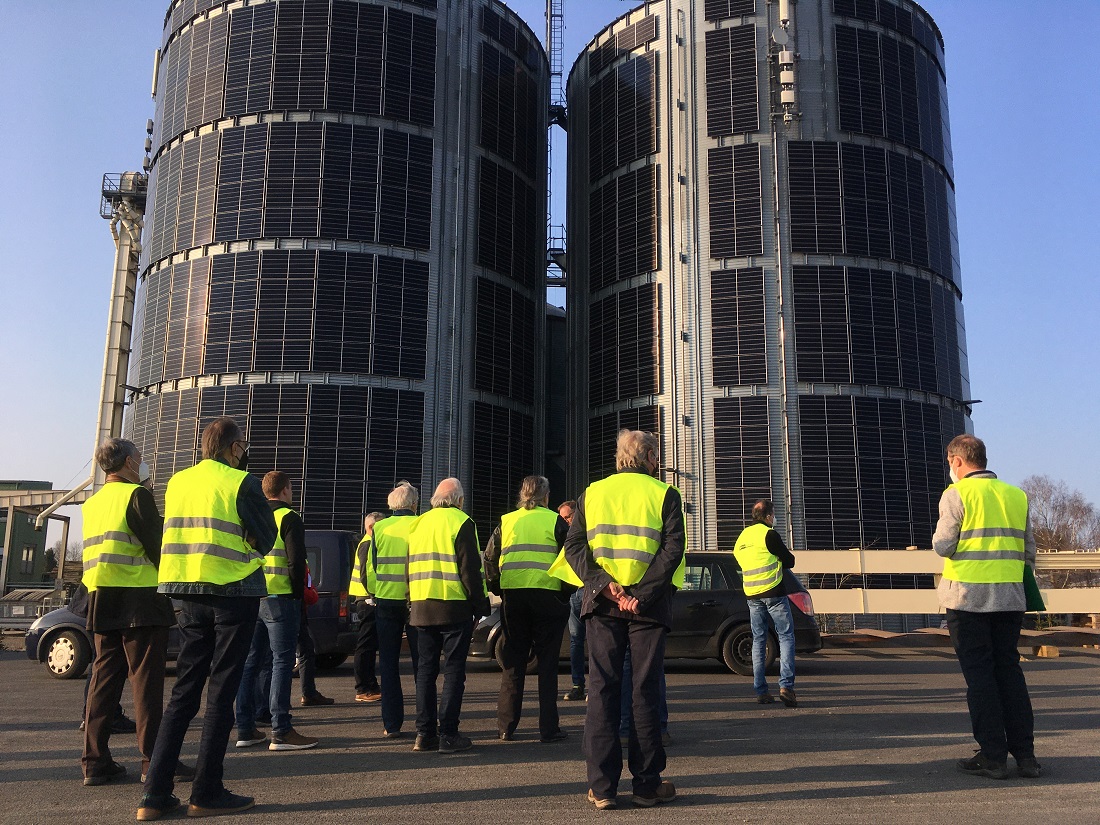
(1062, 519)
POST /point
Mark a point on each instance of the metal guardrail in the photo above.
(860, 600)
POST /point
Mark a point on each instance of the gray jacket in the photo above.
(975, 598)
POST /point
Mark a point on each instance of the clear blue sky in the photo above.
(74, 98)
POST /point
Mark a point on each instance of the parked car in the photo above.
(58, 638)
(710, 618)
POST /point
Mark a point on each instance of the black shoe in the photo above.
(113, 773)
(454, 743)
(123, 724)
(1028, 767)
(425, 742)
(765, 698)
(575, 694)
(981, 765)
(507, 736)
(154, 807)
(226, 803)
(556, 736)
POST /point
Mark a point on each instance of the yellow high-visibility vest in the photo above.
(203, 535)
(433, 567)
(276, 566)
(528, 548)
(760, 569)
(113, 555)
(388, 565)
(358, 585)
(991, 536)
(623, 516)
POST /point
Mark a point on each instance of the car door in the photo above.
(698, 608)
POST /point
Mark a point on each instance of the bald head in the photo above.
(449, 493)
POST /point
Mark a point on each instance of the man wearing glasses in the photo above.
(217, 529)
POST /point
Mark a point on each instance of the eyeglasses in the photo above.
(242, 441)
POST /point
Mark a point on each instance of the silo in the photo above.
(764, 262)
(345, 247)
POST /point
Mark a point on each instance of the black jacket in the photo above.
(293, 531)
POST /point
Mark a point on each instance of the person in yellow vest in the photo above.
(762, 557)
(534, 609)
(128, 619)
(218, 528)
(626, 544)
(276, 637)
(984, 535)
(366, 640)
(388, 582)
(446, 594)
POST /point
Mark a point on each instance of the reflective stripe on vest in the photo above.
(388, 564)
(528, 548)
(276, 566)
(991, 538)
(358, 584)
(433, 567)
(203, 536)
(623, 514)
(760, 570)
(113, 556)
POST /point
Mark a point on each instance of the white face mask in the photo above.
(953, 475)
(143, 473)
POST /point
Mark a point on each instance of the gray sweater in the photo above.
(975, 598)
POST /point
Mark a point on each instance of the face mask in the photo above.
(243, 461)
(143, 473)
(954, 477)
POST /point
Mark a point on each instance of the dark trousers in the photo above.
(608, 640)
(138, 653)
(533, 621)
(366, 646)
(391, 621)
(307, 659)
(628, 699)
(215, 636)
(996, 692)
(576, 638)
(453, 642)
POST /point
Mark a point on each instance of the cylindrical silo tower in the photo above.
(764, 262)
(345, 247)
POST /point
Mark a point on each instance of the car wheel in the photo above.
(498, 654)
(331, 661)
(68, 655)
(737, 650)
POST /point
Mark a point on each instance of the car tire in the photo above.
(330, 661)
(737, 650)
(498, 655)
(68, 655)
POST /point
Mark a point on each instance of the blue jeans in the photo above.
(390, 618)
(778, 610)
(453, 641)
(628, 692)
(215, 633)
(277, 633)
(576, 638)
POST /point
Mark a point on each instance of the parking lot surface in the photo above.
(874, 740)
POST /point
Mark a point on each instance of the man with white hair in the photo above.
(387, 570)
(446, 593)
(626, 544)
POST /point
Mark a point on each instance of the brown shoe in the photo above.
(369, 696)
(765, 698)
(787, 697)
(666, 792)
(291, 741)
(316, 700)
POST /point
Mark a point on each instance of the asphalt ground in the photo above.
(874, 740)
